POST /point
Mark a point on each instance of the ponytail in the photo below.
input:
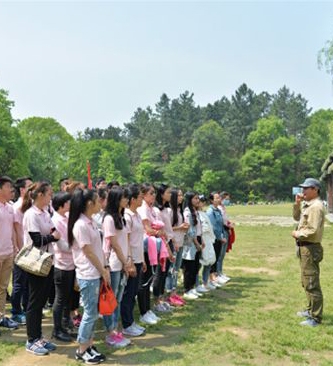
(79, 201)
(32, 192)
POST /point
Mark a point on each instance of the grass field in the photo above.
(250, 321)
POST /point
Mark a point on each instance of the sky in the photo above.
(93, 63)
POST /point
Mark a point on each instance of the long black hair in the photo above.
(112, 206)
(79, 202)
(134, 191)
(159, 199)
(188, 203)
(175, 206)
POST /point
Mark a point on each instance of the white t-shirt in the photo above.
(36, 220)
(85, 232)
(109, 230)
(188, 219)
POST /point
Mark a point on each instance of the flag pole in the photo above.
(89, 175)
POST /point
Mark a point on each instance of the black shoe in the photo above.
(61, 336)
(72, 333)
(87, 357)
(95, 352)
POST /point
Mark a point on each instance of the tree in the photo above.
(110, 133)
(241, 118)
(267, 166)
(106, 157)
(325, 57)
(48, 143)
(14, 154)
(318, 142)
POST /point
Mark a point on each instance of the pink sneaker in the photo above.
(174, 301)
(180, 299)
(117, 341)
(111, 339)
(122, 339)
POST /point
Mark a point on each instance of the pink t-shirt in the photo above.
(7, 229)
(18, 218)
(136, 232)
(85, 232)
(179, 234)
(110, 230)
(63, 257)
(36, 220)
(18, 214)
(165, 216)
(147, 213)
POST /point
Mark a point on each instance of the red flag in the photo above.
(89, 176)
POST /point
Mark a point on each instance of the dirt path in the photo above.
(64, 355)
(254, 220)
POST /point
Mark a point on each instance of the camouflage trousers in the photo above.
(310, 257)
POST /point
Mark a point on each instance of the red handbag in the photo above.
(107, 300)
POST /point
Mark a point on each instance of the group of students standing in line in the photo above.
(134, 237)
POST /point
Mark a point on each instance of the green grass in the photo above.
(251, 321)
(284, 209)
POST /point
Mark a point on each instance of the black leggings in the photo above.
(38, 293)
(64, 288)
(191, 270)
(217, 249)
(145, 280)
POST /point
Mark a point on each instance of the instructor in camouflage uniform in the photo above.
(309, 211)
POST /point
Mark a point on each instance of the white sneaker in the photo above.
(221, 280)
(160, 308)
(226, 277)
(201, 289)
(190, 296)
(196, 293)
(167, 306)
(132, 331)
(217, 284)
(210, 286)
(143, 329)
(153, 315)
(147, 319)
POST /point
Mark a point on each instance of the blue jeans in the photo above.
(171, 280)
(219, 264)
(89, 294)
(20, 293)
(118, 283)
(205, 274)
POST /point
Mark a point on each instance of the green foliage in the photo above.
(106, 157)
(267, 164)
(318, 141)
(14, 154)
(257, 143)
(325, 57)
(48, 143)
